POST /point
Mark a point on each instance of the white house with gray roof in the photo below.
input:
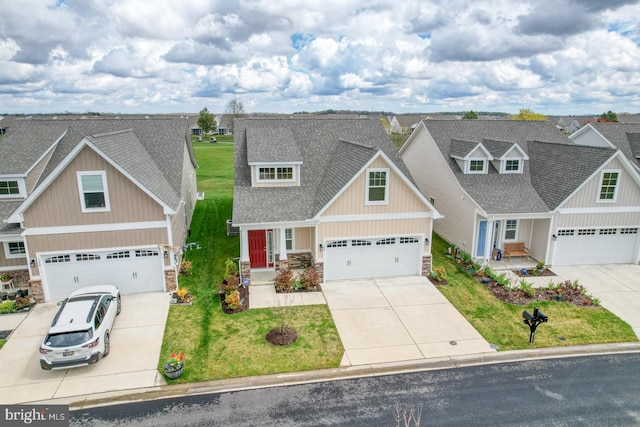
(95, 201)
(623, 136)
(508, 181)
(328, 193)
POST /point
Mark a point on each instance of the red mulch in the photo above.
(285, 336)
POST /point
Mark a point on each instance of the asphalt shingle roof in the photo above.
(332, 151)
(531, 190)
(622, 136)
(150, 149)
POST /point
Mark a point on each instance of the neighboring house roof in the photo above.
(332, 150)
(525, 192)
(149, 150)
(261, 143)
(625, 136)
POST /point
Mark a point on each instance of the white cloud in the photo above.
(292, 55)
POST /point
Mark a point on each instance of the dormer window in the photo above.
(477, 166)
(12, 188)
(275, 174)
(512, 166)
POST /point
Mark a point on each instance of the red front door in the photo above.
(258, 248)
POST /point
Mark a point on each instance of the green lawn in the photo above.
(502, 324)
(217, 345)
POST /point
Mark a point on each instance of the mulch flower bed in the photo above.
(284, 336)
(570, 292)
(244, 301)
(533, 272)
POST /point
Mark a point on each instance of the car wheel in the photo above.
(107, 345)
(119, 306)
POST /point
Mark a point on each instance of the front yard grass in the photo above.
(217, 345)
(502, 323)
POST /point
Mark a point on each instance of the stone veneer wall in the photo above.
(171, 280)
(319, 266)
(300, 261)
(36, 290)
(426, 265)
(245, 271)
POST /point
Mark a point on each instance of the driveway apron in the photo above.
(398, 319)
(136, 340)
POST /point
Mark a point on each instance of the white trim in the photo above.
(293, 239)
(22, 187)
(274, 164)
(9, 255)
(600, 210)
(387, 178)
(467, 165)
(503, 165)
(265, 225)
(615, 187)
(92, 228)
(505, 229)
(14, 268)
(10, 237)
(276, 180)
(375, 217)
(105, 191)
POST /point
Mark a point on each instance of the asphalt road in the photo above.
(583, 391)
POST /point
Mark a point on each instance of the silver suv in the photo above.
(79, 334)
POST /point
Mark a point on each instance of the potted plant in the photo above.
(174, 366)
(540, 267)
(4, 278)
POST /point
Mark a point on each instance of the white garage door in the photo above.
(596, 246)
(131, 270)
(357, 258)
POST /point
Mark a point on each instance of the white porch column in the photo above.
(488, 241)
(244, 245)
(282, 244)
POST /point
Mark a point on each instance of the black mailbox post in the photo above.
(533, 320)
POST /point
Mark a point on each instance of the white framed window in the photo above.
(14, 249)
(12, 188)
(275, 174)
(94, 194)
(511, 229)
(377, 187)
(609, 186)
(288, 238)
(477, 166)
(512, 166)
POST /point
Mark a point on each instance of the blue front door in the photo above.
(482, 237)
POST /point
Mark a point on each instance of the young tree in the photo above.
(470, 115)
(206, 121)
(234, 109)
(609, 116)
(526, 114)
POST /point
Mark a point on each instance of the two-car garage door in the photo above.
(357, 258)
(596, 246)
(132, 270)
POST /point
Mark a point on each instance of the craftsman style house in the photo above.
(328, 193)
(95, 201)
(504, 181)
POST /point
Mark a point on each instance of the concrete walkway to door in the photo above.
(398, 319)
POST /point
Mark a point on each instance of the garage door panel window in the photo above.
(409, 240)
(628, 231)
(58, 259)
(94, 195)
(87, 257)
(118, 255)
(388, 241)
(610, 245)
(360, 243)
(377, 187)
(143, 253)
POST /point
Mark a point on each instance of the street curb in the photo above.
(334, 374)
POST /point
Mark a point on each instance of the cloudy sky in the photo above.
(140, 56)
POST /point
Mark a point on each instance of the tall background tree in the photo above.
(206, 121)
(234, 109)
(609, 116)
(470, 115)
(526, 114)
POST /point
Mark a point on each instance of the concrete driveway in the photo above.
(136, 340)
(617, 286)
(398, 319)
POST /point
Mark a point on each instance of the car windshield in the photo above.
(68, 339)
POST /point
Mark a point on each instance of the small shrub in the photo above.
(527, 288)
(233, 300)
(477, 266)
(540, 265)
(309, 279)
(284, 280)
(22, 302)
(229, 285)
(186, 268)
(488, 271)
(439, 273)
(182, 292)
(502, 279)
(230, 268)
(7, 307)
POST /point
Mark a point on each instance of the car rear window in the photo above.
(68, 339)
